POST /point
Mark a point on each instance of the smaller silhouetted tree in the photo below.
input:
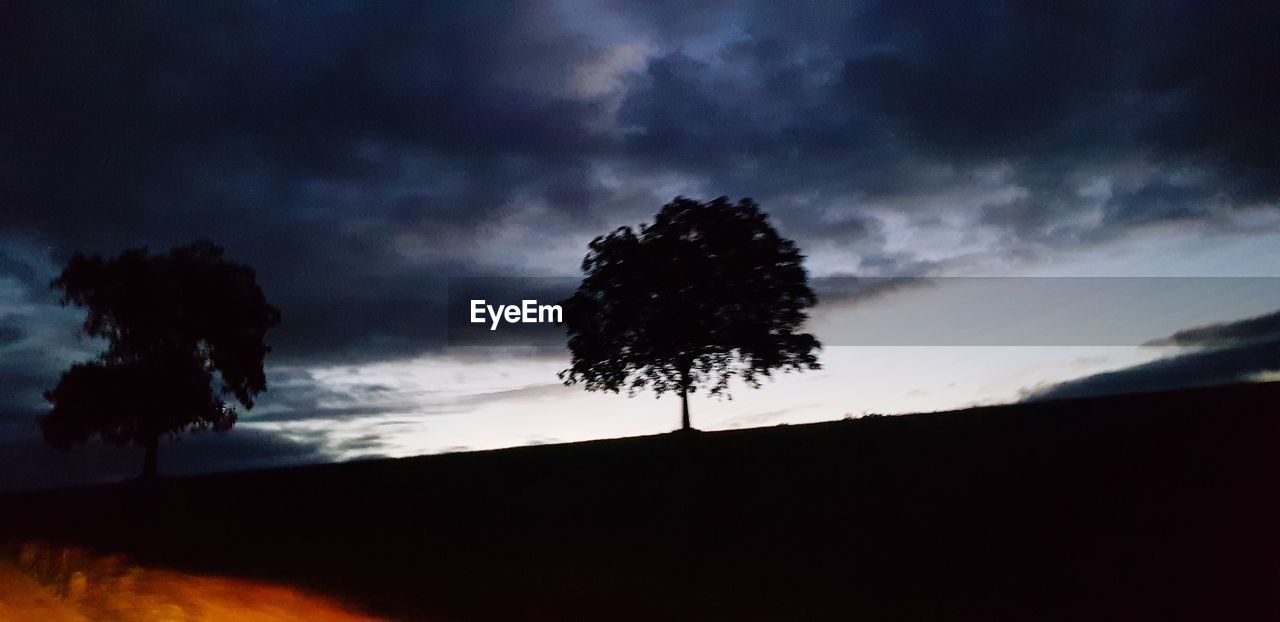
(706, 292)
(170, 321)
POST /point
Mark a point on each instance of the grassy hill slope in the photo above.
(1136, 507)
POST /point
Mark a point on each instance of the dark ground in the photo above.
(1148, 507)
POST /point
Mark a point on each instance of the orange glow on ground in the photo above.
(66, 585)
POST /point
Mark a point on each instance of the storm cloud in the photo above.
(1222, 353)
(358, 153)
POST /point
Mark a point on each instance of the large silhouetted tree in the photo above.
(706, 292)
(170, 322)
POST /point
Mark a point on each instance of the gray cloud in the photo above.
(1241, 332)
(358, 154)
(1222, 353)
(1206, 368)
(11, 334)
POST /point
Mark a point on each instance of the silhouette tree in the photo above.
(170, 322)
(707, 292)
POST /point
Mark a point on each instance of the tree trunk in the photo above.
(685, 382)
(685, 426)
(149, 463)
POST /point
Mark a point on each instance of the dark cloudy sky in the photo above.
(358, 154)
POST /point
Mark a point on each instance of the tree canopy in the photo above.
(170, 321)
(707, 292)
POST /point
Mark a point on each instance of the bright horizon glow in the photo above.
(454, 401)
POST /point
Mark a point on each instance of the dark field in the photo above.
(1147, 507)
